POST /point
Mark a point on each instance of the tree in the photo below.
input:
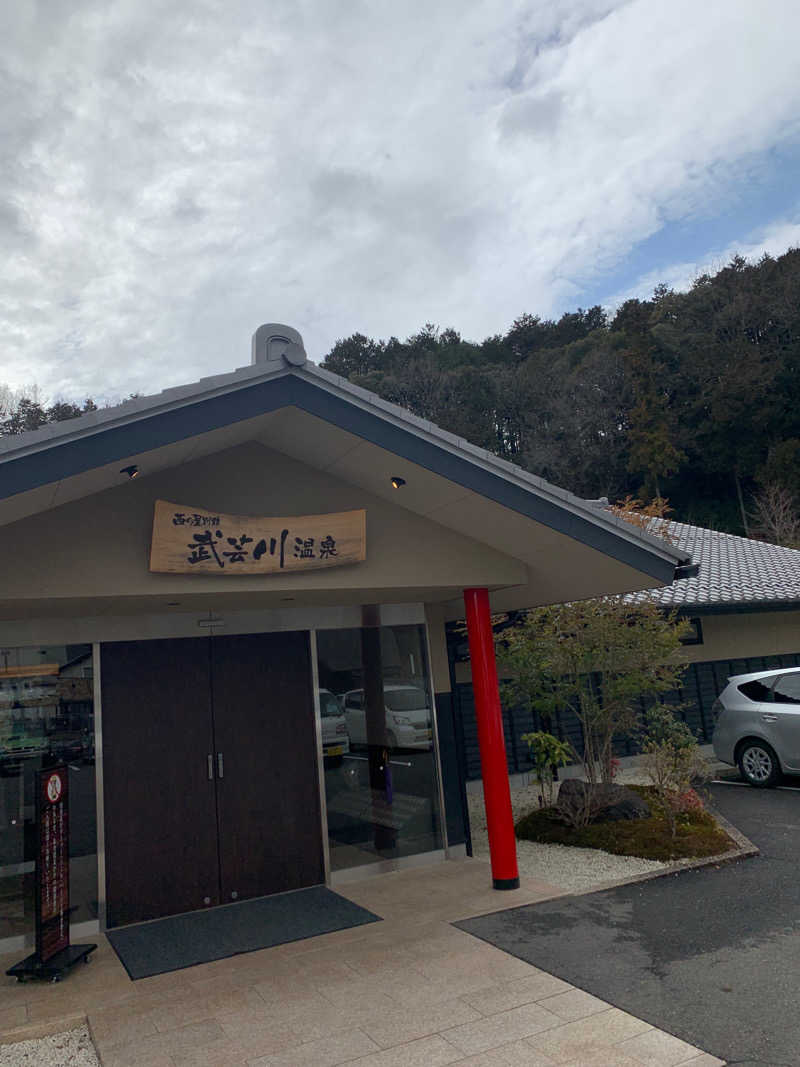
(650, 517)
(597, 658)
(691, 395)
(25, 414)
(22, 412)
(776, 516)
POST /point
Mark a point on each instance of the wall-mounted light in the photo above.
(132, 471)
(397, 482)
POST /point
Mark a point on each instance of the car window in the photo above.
(328, 705)
(353, 700)
(404, 699)
(757, 690)
(787, 689)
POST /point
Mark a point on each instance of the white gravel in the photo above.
(72, 1048)
(573, 869)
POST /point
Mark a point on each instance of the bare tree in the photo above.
(776, 516)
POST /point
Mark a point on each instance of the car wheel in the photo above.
(758, 764)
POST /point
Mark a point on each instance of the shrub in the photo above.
(547, 753)
(673, 761)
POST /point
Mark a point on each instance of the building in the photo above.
(192, 581)
(744, 606)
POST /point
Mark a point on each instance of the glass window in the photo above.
(695, 634)
(759, 691)
(329, 706)
(405, 698)
(381, 779)
(46, 718)
(787, 689)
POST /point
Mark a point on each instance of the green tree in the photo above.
(24, 412)
(596, 658)
(690, 395)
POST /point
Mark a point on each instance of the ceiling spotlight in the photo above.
(397, 482)
(131, 471)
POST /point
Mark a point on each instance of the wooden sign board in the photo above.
(38, 670)
(190, 540)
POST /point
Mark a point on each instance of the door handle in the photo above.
(220, 766)
(769, 718)
(210, 767)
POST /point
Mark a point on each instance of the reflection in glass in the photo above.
(46, 717)
(380, 780)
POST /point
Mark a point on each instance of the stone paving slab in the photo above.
(412, 990)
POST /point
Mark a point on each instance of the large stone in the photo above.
(606, 802)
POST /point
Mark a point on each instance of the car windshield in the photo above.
(328, 705)
(405, 699)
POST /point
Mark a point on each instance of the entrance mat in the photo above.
(202, 936)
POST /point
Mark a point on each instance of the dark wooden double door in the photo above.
(210, 772)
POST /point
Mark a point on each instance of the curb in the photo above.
(745, 849)
(34, 1031)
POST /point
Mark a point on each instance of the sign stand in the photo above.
(54, 955)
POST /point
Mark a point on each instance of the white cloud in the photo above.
(175, 174)
(772, 240)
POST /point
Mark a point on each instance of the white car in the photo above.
(408, 717)
(335, 742)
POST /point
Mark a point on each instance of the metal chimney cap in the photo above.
(274, 340)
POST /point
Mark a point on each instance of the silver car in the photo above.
(758, 725)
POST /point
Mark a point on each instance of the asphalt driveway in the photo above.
(712, 955)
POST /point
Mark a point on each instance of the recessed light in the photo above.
(397, 482)
(132, 471)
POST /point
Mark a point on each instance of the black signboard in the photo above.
(52, 866)
(54, 955)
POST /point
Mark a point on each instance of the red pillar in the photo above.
(496, 791)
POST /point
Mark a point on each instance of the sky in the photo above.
(173, 174)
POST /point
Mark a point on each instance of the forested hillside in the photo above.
(694, 396)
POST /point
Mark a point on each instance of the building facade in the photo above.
(223, 607)
(744, 607)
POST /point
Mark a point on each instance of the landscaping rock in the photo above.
(607, 802)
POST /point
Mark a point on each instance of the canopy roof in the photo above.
(570, 548)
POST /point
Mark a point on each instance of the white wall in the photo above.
(99, 546)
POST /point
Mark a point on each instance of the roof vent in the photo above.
(274, 341)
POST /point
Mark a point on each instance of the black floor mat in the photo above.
(201, 936)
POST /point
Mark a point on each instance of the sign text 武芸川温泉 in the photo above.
(194, 541)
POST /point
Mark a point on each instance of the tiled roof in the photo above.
(733, 570)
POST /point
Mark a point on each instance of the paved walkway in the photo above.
(409, 991)
(712, 955)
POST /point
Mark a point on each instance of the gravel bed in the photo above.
(72, 1048)
(573, 869)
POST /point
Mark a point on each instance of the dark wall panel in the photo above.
(452, 772)
(692, 701)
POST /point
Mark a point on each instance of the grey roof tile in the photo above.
(733, 570)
